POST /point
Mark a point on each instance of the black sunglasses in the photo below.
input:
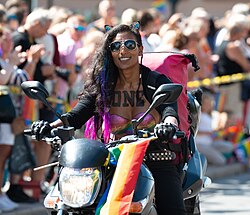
(129, 44)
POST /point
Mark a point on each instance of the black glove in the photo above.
(165, 131)
(40, 129)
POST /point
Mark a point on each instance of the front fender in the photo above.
(83, 153)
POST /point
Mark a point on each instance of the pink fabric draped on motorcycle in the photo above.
(174, 66)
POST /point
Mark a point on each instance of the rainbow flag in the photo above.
(246, 144)
(120, 195)
(235, 132)
(160, 5)
(243, 151)
(220, 99)
(30, 111)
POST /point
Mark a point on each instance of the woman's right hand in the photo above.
(40, 129)
(165, 131)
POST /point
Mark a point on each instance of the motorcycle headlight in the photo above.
(79, 187)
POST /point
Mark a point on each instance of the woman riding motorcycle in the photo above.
(118, 91)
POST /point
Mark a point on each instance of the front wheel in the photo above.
(192, 206)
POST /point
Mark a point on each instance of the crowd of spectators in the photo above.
(55, 46)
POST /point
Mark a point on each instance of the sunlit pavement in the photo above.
(230, 196)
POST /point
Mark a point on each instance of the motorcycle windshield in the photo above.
(83, 153)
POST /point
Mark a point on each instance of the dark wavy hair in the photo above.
(101, 84)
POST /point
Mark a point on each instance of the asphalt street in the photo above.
(230, 196)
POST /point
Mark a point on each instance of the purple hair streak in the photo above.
(94, 123)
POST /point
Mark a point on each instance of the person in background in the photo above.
(10, 75)
(212, 34)
(110, 118)
(59, 21)
(50, 57)
(154, 38)
(175, 22)
(76, 29)
(199, 20)
(232, 60)
(195, 32)
(12, 21)
(6, 135)
(107, 13)
(213, 148)
(147, 28)
(14, 18)
(36, 26)
(22, 6)
(129, 16)
(174, 40)
(238, 8)
(84, 57)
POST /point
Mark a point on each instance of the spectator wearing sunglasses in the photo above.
(118, 91)
(68, 43)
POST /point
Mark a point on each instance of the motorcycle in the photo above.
(85, 170)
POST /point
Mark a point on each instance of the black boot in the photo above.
(16, 194)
